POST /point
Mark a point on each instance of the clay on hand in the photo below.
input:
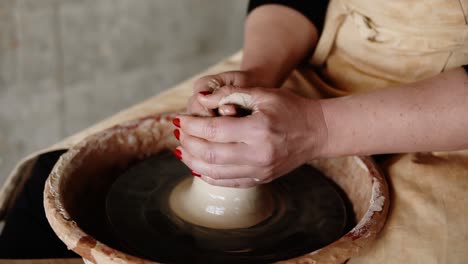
(283, 132)
(211, 83)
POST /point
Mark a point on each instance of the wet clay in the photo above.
(308, 213)
(220, 207)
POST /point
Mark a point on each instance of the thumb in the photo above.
(229, 95)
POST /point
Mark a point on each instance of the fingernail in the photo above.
(178, 153)
(176, 122)
(177, 134)
(205, 92)
(196, 174)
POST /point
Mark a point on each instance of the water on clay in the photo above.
(310, 213)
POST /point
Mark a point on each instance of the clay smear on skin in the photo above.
(241, 99)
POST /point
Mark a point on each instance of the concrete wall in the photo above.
(65, 64)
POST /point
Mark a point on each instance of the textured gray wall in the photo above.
(66, 64)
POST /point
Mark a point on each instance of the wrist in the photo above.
(344, 127)
(330, 110)
(316, 131)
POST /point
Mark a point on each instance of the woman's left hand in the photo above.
(283, 132)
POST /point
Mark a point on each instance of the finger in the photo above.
(233, 183)
(196, 109)
(215, 171)
(229, 95)
(218, 153)
(222, 129)
(224, 110)
(208, 83)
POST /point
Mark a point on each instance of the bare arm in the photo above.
(276, 40)
(431, 115)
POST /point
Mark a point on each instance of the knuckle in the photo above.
(260, 132)
(209, 156)
(210, 129)
(267, 156)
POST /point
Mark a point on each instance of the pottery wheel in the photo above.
(309, 214)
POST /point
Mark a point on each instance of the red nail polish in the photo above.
(177, 133)
(205, 92)
(178, 153)
(196, 174)
(176, 122)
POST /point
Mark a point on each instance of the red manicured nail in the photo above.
(178, 153)
(176, 122)
(196, 174)
(205, 92)
(177, 133)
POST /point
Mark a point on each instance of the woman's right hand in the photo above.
(207, 84)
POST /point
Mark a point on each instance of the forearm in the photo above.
(430, 115)
(276, 40)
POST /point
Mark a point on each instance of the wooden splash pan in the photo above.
(76, 189)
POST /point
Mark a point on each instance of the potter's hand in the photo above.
(208, 84)
(283, 132)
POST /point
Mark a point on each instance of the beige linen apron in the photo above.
(365, 45)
